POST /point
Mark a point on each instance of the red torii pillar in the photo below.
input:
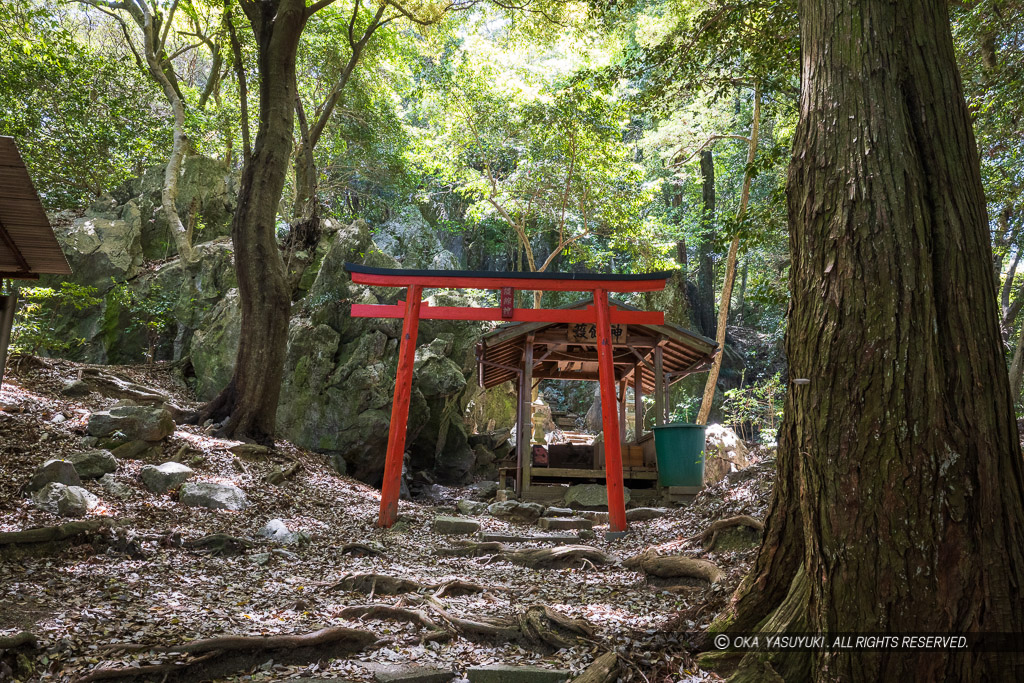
(413, 309)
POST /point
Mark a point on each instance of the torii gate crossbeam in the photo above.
(413, 309)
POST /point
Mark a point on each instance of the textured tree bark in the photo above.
(249, 402)
(705, 248)
(898, 503)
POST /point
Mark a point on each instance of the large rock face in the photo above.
(99, 248)
(214, 347)
(339, 373)
(410, 239)
(135, 423)
(206, 199)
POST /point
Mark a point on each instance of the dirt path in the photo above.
(139, 587)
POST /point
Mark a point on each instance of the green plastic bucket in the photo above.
(679, 447)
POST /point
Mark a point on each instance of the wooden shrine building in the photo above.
(648, 358)
(28, 247)
(596, 321)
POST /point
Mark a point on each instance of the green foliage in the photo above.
(685, 410)
(151, 311)
(35, 321)
(82, 115)
(756, 409)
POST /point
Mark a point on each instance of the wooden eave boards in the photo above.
(28, 247)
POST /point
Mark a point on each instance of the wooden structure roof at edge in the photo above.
(28, 246)
(501, 352)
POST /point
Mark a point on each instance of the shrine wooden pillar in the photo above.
(659, 387)
(638, 402)
(392, 484)
(623, 386)
(612, 440)
(524, 433)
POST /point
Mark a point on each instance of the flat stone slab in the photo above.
(564, 523)
(502, 673)
(553, 539)
(596, 517)
(455, 526)
(411, 673)
(559, 512)
(644, 514)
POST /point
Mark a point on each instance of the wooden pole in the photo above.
(392, 484)
(8, 304)
(525, 437)
(519, 434)
(622, 407)
(612, 442)
(659, 388)
(638, 403)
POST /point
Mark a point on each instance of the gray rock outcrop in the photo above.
(213, 496)
(93, 464)
(63, 500)
(163, 478)
(135, 423)
(54, 471)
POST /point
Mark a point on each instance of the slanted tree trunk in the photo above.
(155, 61)
(898, 501)
(730, 265)
(249, 402)
(705, 313)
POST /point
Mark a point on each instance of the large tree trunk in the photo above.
(705, 313)
(898, 502)
(250, 399)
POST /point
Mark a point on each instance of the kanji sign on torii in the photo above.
(601, 315)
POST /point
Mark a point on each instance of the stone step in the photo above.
(410, 673)
(504, 673)
(595, 516)
(644, 514)
(564, 523)
(455, 526)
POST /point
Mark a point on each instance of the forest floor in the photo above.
(88, 600)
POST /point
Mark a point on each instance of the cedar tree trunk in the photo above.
(705, 313)
(251, 397)
(898, 502)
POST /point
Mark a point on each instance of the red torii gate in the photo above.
(412, 310)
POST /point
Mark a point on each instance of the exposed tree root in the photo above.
(103, 382)
(538, 627)
(387, 612)
(472, 549)
(54, 533)
(23, 639)
(382, 584)
(605, 669)
(279, 476)
(674, 567)
(458, 587)
(392, 585)
(225, 655)
(560, 557)
(360, 550)
(220, 544)
(741, 531)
